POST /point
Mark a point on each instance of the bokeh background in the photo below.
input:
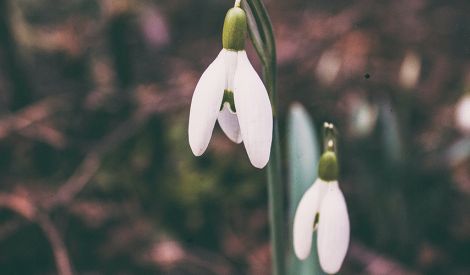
(96, 174)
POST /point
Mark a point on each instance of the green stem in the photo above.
(276, 204)
(262, 36)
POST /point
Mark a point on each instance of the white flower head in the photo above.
(231, 92)
(322, 206)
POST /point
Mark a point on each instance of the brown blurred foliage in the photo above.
(96, 175)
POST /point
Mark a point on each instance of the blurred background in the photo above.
(97, 177)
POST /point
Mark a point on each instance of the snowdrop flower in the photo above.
(462, 114)
(231, 92)
(323, 207)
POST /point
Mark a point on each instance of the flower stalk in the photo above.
(262, 37)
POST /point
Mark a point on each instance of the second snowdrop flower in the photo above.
(231, 92)
(323, 206)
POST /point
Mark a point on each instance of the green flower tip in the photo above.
(228, 98)
(328, 166)
(235, 28)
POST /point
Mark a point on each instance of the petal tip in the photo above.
(197, 150)
(259, 163)
(302, 255)
(329, 269)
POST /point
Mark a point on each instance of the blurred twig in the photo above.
(46, 134)
(18, 204)
(61, 256)
(30, 115)
(25, 208)
(375, 263)
(92, 161)
(149, 104)
(83, 174)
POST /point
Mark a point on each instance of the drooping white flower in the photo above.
(323, 206)
(231, 92)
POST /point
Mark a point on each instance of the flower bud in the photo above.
(235, 28)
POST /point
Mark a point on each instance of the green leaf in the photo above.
(265, 26)
(262, 36)
(304, 155)
(255, 36)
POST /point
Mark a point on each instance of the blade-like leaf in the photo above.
(255, 35)
(264, 26)
(304, 154)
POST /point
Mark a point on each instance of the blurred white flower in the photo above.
(462, 114)
(410, 70)
(244, 114)
(362, 117)
(322, 206)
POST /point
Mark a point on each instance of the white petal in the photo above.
(304, 218)
(231, 60)
(333, 230)
(205, 105)
(254, 112)
(228, 121)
